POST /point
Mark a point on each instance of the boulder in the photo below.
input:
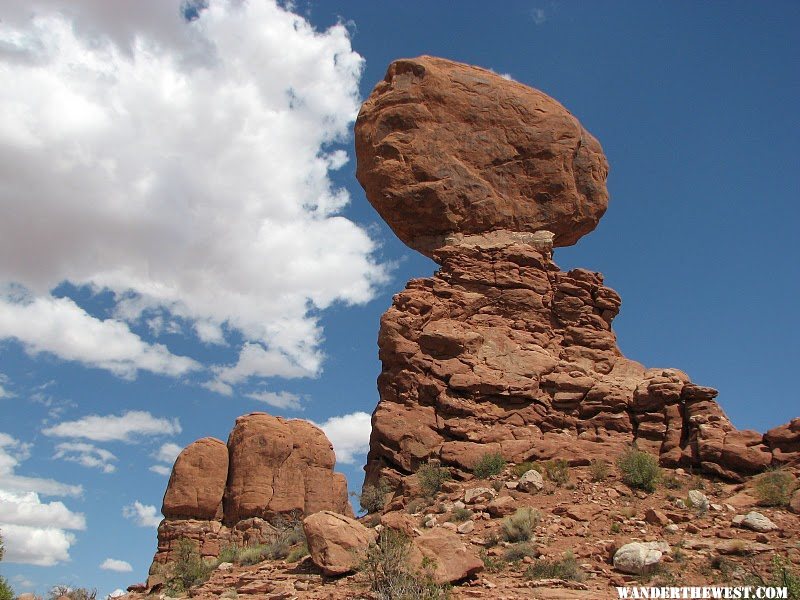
(531, 481)
(197, 483)
(794, 502)
(755, 521)
(639, 558)
(481, 494)
(453, 560)
(450, 150)
(502, 506)
(336, 543)
(698, 500)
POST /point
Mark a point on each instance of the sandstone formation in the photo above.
(223, 494)
(451, 150)
(337, 544)
(501, 351)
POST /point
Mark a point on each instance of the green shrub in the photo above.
(639, 469)
(616, 527)
(774, 488)
(416, 505)
(517, 552)
(490, 563)
(489, 465)
(460, 515)
(598, 469)
(61, 591)
(6, 591)
(297, 553)
(519, 526)
(188, 568)
(671, 482)
(373, 497)
(557, 471)
(431, 476)
(522, 468)
(565, 568)
(781, 574)
(389, 571)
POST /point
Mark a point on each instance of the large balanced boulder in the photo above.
(336, 543)
(450, 149)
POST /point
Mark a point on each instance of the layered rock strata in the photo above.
(501, 351)
(223, 494)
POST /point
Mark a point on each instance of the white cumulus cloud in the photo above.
(282, 400)
(144, 515)
(34, 532)
(184, 166)
(349, 435)
(113, 564)
(127, 427)
(87, 455)
(166, 455)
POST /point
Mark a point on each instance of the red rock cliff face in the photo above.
(221, 494)
(500, 351)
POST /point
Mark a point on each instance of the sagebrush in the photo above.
(639, 469)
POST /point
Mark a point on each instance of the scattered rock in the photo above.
(502, 506)
(639, 558)
(481, 494)
(698, 500)
(656, 517)
(531, 481)
(336, 543)
(466, 527)
(454, 560)
(755, 521)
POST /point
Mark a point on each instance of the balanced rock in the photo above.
(337, 543)
(449, 151)
(224, 494)
(500, 351)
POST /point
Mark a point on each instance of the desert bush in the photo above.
(517, 552)
(598, 469)
(297, 553)
(61, 591)
(781, 574)
(492, 564)
(671, 482)
(774, 488)
(288, 532)
(188, 569)
(390, 574)
(522, 468)
(6, 592)
(488, 465)
(415, 506)
(497, 485)
(564, 568)
(616, 527)
(431, 476)
(639, 469)
(460, 514)
(519, 526)
(373, 497)
(557, 471)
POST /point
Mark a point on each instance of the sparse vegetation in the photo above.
(492, 564)
(616, 527)
(373, 497)
(671, 482)
(522, 468)
(774, 488)
(781, 574)
(188, 569)
(390, 575)
(64, 591)
(517, 552)
(489, 465)
(497, 485)
(460, 515)
(557, 471)
(297, 553)
(598, 470)
(519, 526)
(431, 477)
(564, 568)
(639, 469)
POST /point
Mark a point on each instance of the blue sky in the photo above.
(182, 239)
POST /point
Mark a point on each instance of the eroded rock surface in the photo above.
(451, 150)
(501, 351)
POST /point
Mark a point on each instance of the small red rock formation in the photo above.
(500, 351)
(221, 494)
